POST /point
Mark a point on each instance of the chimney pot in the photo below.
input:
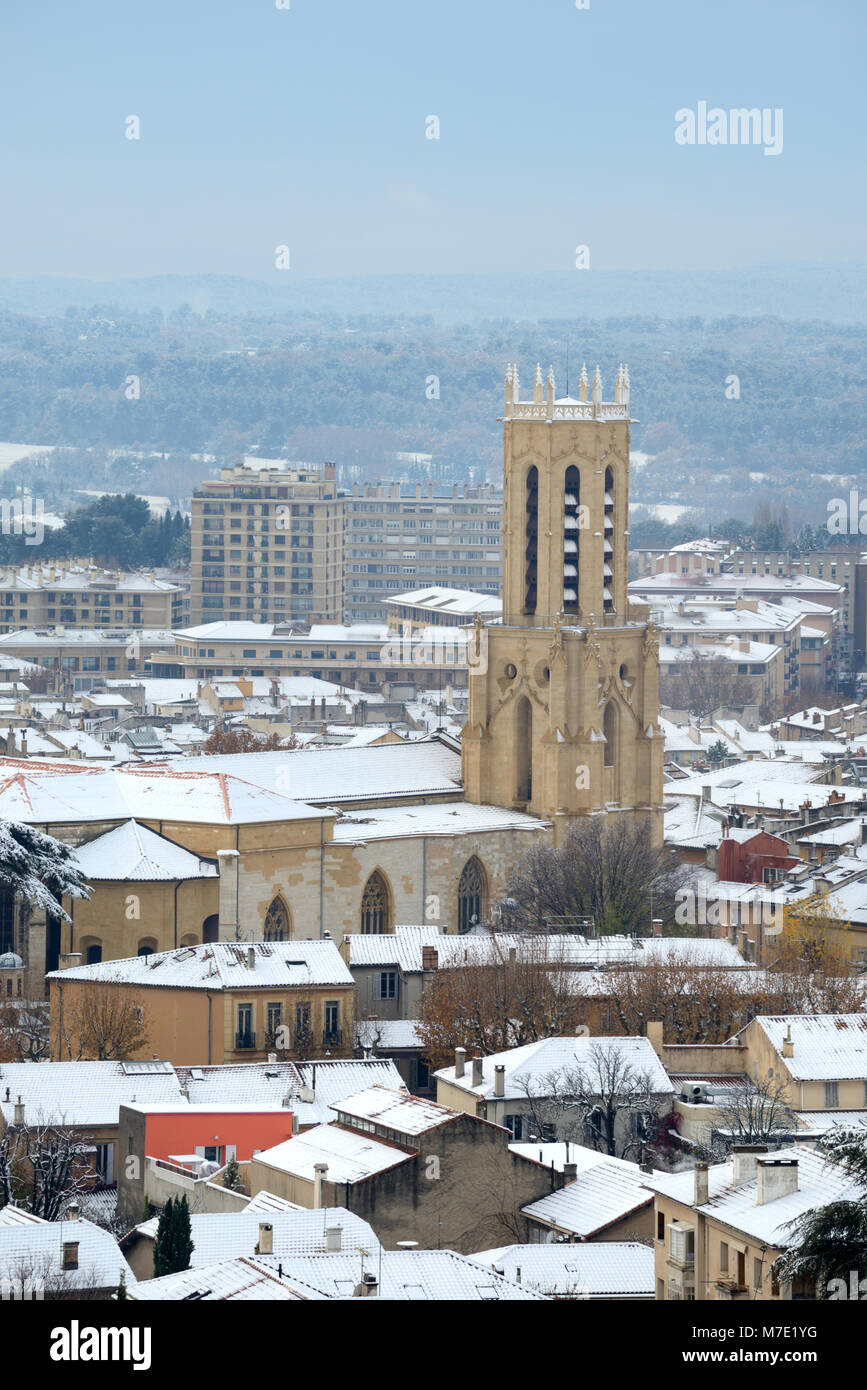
(745, 1158)
(499, 1080)
(478, 1072)
(18, 1114)
(778, 1177)
(333, 1238)
(266, 1239)
(570, 1172)
(460, 1061)
(702, 1185)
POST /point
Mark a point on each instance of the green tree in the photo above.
(174, 1243)
(830, 1241)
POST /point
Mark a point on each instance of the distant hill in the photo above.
(833, 293)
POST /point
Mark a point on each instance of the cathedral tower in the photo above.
(564, 690)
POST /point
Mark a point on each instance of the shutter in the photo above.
(200, 1150)
(231, 1151)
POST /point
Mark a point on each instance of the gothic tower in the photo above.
(564, 690)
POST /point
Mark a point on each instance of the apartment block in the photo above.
(267, 545)
(82, 596)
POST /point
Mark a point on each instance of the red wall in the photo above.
(742, 861)
(173, 1133)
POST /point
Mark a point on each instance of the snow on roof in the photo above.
(45, 792)
(827, 1047)
(225, 1235)
(605, 1192)
(604, 1269)
(395, 1110)
(237, 1280)
(269, 1201)
(81, 1093)
(441, 818)
(388, 1034)
(415, 1275)
(539, 1060)
(328, 776)
(266, 1082)
(37, 1251)
(441, 599)
(819, 1182)
(820, 1122)
(586, 952)
(402, 947)
(16, 1216)
(134, 853)
(224, 965)
(351, 1157)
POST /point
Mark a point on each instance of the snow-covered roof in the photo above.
(440, 818)
(819, 1122)
(394, 1110)
(329, 776)
(586, 953)
(826, 1047)
(56, 792)
(351, 1157)
(602, 1269)
(402, 947)
(224, 965)
(241, 1279)
(133, 853)
(458, 603)
(388, 1034)
(264, 1082)
(37, 1251)
(603, 1193)
(83, 1093)
(819, 1182)
(224, 1235)
(533, 1063)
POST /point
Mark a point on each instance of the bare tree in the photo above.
(752, 1112)
(586, 1102)
(24, 1031)
(101, 1021)
(608, 869)
(43, 1165)
(704, 683)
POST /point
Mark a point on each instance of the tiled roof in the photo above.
(351, 1157)
(603, 1269)
(402, 947)
(440, 818)
(827, 1047)
(266, 1082)
(395, 1110)
(38, 1250)
(603, 1193)
(237, 1280)
(539, 1060)
(224, 965)
(132, 852)
(81, 1093)
(225, 1235)
(414, 1275)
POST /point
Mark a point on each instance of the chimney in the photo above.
(513, 955)
(570, 1172)
(333, 1239)
(319, 1175)
(778, 1177)
(70, 1254)
(499, 1081)
(654, 1037)
(368, 1286)
(272, 1056)
(73, 1211)
(745, 1158)
(429, 958)
(266, 1239)
(656, 926)
(18, 1113)
(251, 958)
(460, 1061)
(702, 1185)
(788, 1045)
(478, 1073)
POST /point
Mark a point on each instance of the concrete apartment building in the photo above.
(272, 542)
(82, 596)
(82, 657)
(267, 545)
(426, 534)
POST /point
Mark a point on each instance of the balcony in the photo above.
(245, 1042)
(332, 1037)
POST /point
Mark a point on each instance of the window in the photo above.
(246, 1037)
(332, 1020)
(724, 1257)
(374, 905)
(303, 1033)
(757, 1274)
(660, 1225)
(471, 892)
(93, 954)
(832, 1095)
(682, 1242)
(386, 984)
(516, 1124)
(277, 926)
(273, 1020)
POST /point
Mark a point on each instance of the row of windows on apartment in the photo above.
(245, 1036)
(278, 654)
(98, 600)
(294, 508)
(299, 604)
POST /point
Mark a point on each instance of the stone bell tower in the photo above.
(564, 690)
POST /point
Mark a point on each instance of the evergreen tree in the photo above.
(162, 1244)
(182, 1245)
(232, 1176)
(831, 1240)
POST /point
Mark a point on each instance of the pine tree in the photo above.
(830, 1241)
(162, 1244)
(120, 1292)
(232, 1176)
(183, 1235)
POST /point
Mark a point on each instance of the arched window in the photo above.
(532, 539)
(211, 928)
(93, 953)
(374, 905)
(609, 729)
(471, 895)
(524, 750)
(147, 946)
(7, 920)
(571, 538)
(277, 926)
(190, 939)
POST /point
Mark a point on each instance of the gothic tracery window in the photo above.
(277, 922)
(374, 905)
(471, 895)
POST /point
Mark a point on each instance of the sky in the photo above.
(306, 127)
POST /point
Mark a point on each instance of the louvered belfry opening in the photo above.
(532, 540)
(608, 544)
(571, 540)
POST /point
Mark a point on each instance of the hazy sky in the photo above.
(306, 126)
